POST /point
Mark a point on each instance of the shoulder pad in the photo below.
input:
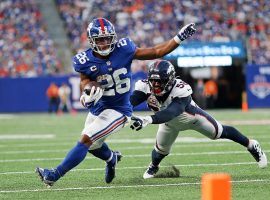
(80, 62)
(126, 45)
(142, 85)
(181, 89)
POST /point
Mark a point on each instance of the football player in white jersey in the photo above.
(170, 98)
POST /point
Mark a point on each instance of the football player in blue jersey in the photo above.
(107, 62)
(175, 111)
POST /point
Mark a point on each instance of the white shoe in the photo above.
(150, 172)
(258, 154)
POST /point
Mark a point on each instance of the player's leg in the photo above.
(108, 122)
(75, 156)
(252, 146)
(166, 136)
(78, 153)
(98, 149)
(211, 128)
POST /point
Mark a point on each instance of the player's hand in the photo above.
(91, 96)
(140, 122)
(153, 103)
(186, 32)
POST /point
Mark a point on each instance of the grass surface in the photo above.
(30, 140)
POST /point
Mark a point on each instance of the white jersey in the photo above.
(193, 117)
(180, 90)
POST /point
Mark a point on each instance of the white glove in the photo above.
(94, 95)
(140, 122)
(185, 33)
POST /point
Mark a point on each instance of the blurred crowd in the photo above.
(25, 47)
(149, 22)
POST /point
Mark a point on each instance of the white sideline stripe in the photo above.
(115, 141)
(6, 116)
(137, 156)
(126, 186)
(18, 137)
(144, 167)
(120, 148)
(246, 122)
(187, 140)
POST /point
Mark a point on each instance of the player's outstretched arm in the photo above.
(164, 48)
(176, 108)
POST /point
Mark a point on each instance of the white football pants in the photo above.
(98, 128)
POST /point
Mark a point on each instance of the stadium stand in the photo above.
(26, 50)
(150, 22)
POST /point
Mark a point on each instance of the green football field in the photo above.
(30, 140)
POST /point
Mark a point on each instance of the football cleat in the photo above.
(110, 167)
(151, 171)
(48, 176)
(258, 154)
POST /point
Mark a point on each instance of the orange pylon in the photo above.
(244, 102)
(216, 187)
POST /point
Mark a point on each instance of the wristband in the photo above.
(177, 39)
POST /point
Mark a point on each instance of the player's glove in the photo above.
(140, 122)
(153, 103)
(91, 96)
(185, 33)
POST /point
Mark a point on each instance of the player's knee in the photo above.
(219, 132)
(86, 140)
(95, 145)
(162, 149)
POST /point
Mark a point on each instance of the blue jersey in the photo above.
(114, 75)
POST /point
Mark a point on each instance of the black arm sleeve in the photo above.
(137, 98)
(176, 107)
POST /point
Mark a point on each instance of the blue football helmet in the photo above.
(102, 36)
(161, 76)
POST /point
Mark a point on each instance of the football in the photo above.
(88, 87)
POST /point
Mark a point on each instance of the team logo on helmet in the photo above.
(102, 36)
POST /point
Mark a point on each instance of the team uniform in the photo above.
(113, 109)
(170, 98)
(193, 117)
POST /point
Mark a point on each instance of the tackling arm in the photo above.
(137, 98)
(177, 107)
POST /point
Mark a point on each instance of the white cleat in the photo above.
(257, 152)
(150, 172)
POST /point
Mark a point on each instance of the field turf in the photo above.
(30, 140)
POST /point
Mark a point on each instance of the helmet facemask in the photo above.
(161, 77)
(103, 45)
(160, 86)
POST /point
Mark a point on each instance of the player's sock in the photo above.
(233, 134)
(104, 153)
(73, 158)
(157, 157)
